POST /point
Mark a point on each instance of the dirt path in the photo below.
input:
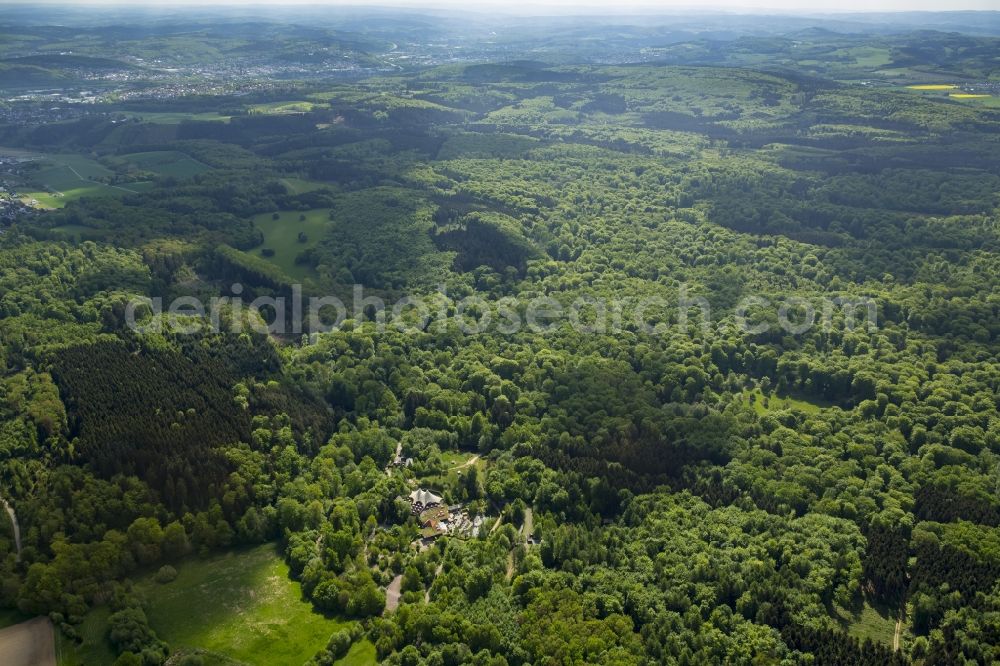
(31, 643)
(496, 524)
(15, 525)
(437, 572)
(528, 528)
(471, 461)
(399, 452)
(899, 631)
(392, 594)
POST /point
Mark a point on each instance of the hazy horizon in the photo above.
(567, 7)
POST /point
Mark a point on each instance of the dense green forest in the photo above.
(663, 490)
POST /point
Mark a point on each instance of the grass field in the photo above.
(42, 200)
(866, 56)
(281, 108)
(171, 118)
(933, 86)
(773, 403)
(166, 163)
(361, 653)
(241, 605)
(282, 236)
(952, 92)
(875, 623)
(77, 232)
(991, 101)
(238, 607)
(978, 99)
(301, 185)
(455, 466)
(95, 649)
(23, 153)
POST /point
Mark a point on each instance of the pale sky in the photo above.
(581, 6)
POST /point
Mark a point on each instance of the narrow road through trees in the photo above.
(14, 524)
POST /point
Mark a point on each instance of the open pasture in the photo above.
(288, 236)
(171, 163)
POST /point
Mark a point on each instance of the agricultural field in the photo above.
(164, 163)
(932, 86)
(978, 99)
(964, 94)
(865, 56)
(42, 200)
(176, 118)
(283, 108)
(63, 178)
(289, 235)
(302, 185)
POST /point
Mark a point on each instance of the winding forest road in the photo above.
(392, 594)
(31, 643)
(399, 452)
(15, 525)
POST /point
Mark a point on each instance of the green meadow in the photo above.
(241, 605)
(454, 465)
(238, 607)
(282, 237)
(176, 118)
(301, 185)
(866, 56)
(876, 623)
(281, 108)
(773, 403)
(95, 647)
(165, 163)
(362, 653)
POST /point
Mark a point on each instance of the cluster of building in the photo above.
(423, 499)
(11, 208)
(400, 461)
(176, 87)
(981, 87)
(437, 519)
(12, 205)
(34, 112)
